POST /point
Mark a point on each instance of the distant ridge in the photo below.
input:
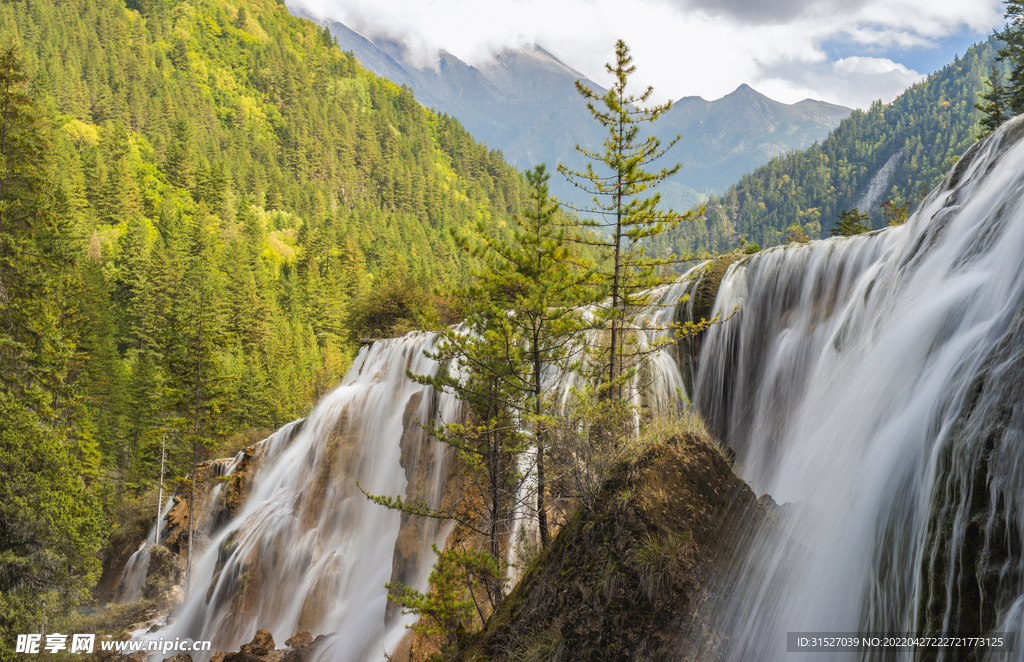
(891, 151)
(523, 101)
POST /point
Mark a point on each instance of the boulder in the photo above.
(299, 639)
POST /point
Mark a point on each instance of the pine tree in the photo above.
(1013, 53)
(50, 523)
(996, 106)
(851, 222)
(179, 166)
(535, 275)
(626, 218)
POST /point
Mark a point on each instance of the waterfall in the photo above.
(129, 584)
(877, 382)
(308, 551)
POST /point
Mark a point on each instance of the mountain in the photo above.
(891, 152)
(523, 102)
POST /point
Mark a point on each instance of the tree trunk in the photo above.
(540, 440)
(195, 461)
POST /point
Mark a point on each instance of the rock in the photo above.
(171, 598)
(166, 570)
(262, 644)
(134, 657)
(180, 657)
(240, 656)
(299, 639)
(628, 574)
(304, 653)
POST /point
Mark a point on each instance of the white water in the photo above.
(877, 380)
(129, 584)
(308, 551)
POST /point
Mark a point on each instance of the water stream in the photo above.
(877, 381)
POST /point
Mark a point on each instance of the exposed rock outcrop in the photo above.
(299, 648)
(618, 582)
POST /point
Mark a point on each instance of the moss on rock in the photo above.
(617, 581)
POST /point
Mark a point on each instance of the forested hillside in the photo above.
(202, 205)
(920, 135)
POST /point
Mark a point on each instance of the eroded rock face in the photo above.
(166, 572)
(219, 497)
(619, 582)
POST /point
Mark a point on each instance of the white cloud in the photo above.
(687, 47)
(853, 81)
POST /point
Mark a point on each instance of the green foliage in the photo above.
(1012, 52)
(446, 608)
(995, 108)
(240, 200)
(851, 222)
(628, 218)
(536, 275)
(196, 201)
(895, 214)
(795, 234)
(929, 125)
(50, 522)
(394, 306)
(50, 527)
(590, 438)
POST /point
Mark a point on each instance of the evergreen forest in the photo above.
(922, 133)
(206, 205)
(203, 206)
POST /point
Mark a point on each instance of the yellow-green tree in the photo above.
(623, 212)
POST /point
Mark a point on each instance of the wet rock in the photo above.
(180, 657)
(260, 645)
(219, 497)
(305, 653)
(166, 571)
(299, 639)
(302, 647)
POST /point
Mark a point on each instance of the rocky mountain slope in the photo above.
(523, 101)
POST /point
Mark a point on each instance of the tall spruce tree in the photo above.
(624, 215)
(536, 277)
(50, 523)
(521, 318)
(1013, 53)
(996, 103)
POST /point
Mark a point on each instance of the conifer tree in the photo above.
(1013, 53)
(50, 523)
(535, 276)
(625, 217)
(180, 167)
(996, 107)
(851, 222)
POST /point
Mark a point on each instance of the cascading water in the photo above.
(308, 551)
(874, 379)
(129, 584)
(878, 381)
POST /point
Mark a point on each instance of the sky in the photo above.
(849, 52)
